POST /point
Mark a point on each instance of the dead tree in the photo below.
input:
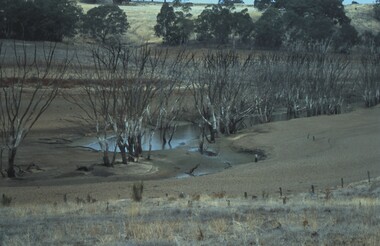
(28, 87)
(98, 95)
(138, 92)
(170, 96)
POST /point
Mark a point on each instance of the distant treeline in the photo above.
(52, 20)
(290, 24)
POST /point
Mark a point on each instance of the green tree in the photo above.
(89, 1)
(313, 21)
(332, 9)
(175, 27)
(39, 20)
(165, 26)
(269, 30)
(243, 26)
(376, 10)
(8, 13)
(218, 22)
(59, 19)
(345, 38)
(105, 22)
(214, 23)
(262, 4)
(184, 27)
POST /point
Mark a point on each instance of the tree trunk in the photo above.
(139, 145)
(212, 134)
(202, 140)
(164, 137)
(150, 143)
(172, 134)
(11, 160)
(131, 143)
(123, 153)
(1, 162)
(106, 159)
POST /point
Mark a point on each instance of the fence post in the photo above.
(369, 177)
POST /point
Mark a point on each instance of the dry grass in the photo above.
(362, 18)
(349, 217)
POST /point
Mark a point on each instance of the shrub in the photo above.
(6, 200)
(137, 191)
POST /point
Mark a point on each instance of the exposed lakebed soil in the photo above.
(298, 153)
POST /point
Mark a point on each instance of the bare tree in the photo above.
(97, 98)
(28, 87)
(171, 94)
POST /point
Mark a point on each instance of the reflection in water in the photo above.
(182, 136)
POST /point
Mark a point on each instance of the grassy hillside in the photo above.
(362, 19)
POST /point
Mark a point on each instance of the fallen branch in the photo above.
(191, 172)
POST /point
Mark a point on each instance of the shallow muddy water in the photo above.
(183, 135)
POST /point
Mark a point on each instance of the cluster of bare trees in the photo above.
(229, 88)
(315, 83)
(221, 91)
(29, 84)
(130, 93)
(370, 79)
(145, 90)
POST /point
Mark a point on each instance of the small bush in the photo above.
(137, 191)
(218, 195)
(6, 200)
